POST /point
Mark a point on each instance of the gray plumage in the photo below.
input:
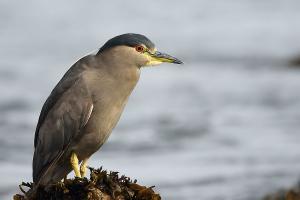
(85, 106)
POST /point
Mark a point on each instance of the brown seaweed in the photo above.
(102, 185)
(283, 194)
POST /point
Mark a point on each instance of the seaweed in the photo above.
(284, 194)
(102, 185)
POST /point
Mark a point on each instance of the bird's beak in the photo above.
(159, 57)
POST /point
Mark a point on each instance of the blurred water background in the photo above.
(225, 126)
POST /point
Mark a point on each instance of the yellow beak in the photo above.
(159, 57)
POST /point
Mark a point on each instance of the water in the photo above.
(223, 126)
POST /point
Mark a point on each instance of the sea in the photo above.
(223, 126)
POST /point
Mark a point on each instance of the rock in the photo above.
(292, 194)
(100, 186)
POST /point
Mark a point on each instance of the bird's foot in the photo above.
(75, 164)
(83, 168)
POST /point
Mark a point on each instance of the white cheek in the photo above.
(151, 61)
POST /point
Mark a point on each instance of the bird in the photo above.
(84, 107)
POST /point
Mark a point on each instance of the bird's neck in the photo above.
(119, 66)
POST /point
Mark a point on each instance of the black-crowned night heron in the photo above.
(86, 104)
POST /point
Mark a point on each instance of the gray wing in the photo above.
(68, 80)
(65, 113)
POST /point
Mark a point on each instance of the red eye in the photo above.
(139, 48)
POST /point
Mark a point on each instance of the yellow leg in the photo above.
(83, 167)
(75, 164)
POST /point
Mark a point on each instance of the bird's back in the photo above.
(63, 85)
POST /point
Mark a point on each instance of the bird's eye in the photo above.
(139, 48)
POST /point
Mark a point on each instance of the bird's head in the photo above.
(135, 49)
